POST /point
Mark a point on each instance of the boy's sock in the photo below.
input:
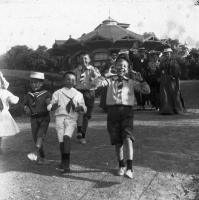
(79, 132)
(83, 134)
(79, 129)
(121, 163)
(41, 153)
(66, 161)
(129, 164)
(61, 148)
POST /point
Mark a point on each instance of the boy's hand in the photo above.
(48, 101)
(145, 89)
(55, 106)
(79, 109)
(27, 110)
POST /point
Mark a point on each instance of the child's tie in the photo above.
(70, 106)
(120, 84)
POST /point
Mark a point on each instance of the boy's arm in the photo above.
(101, 81)
(5, 83)
(26, 107)
(48, 98)
(142, 87)
(53, 105)
(81, 107)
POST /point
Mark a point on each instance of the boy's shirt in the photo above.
(122, 95)
(37, 102)
(85, 77)
(63, 97)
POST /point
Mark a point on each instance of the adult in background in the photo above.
(152, 78)
(170, 99)
(140, 63)
(85, 73)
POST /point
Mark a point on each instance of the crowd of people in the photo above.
(161, 71)
(128, 80)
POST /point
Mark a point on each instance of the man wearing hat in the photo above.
(170, 99)
(152, 77)
(140, 63)
(35, 105)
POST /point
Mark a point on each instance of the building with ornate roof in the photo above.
(108, 36)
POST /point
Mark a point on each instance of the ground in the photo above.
(166, 162)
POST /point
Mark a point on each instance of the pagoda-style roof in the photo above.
(110, 30)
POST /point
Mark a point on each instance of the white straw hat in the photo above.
(37, 75)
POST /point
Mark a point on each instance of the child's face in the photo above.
(85, 60)
(36, 84)
(69, 80)
(122, 67)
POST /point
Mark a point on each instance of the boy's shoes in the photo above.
(42, 161)
(32, 156)
(129, 173)
(79, 136)
(66, 171)
(82, 141)
(60, 167)
(121, 171)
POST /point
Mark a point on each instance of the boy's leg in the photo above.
(89, 98)
(34, 129)
(129, 149)
(69, 126)
(66, 153)
(42, 130)
(113, 126)
(128, 139)
(120, 154)
(61, 148)
(79, 126)
(59, 121)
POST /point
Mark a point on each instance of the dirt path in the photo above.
(166, 163)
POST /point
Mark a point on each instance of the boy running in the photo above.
(67, 103)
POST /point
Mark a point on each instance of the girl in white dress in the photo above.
(8, 125)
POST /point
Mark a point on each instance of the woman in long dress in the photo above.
(8, 125)
(170, 101)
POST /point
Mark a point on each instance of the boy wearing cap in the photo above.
(67, 103)
(35, 105)
(120, 101)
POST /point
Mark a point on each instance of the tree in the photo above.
(17, 56)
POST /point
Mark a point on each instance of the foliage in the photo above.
(43, 59)
(24, 58)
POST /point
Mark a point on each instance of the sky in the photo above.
(41, 22)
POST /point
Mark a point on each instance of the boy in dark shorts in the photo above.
(120, 101)
(35, 105)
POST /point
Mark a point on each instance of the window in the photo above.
(100, 56)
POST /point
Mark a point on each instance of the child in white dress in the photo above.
(8, 125)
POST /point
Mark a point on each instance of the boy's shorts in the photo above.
(120, 123)
(64, 126)
(39, 127)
